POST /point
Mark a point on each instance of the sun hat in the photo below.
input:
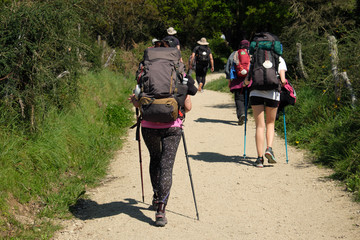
(171, 31)
(154, 41)
(203, 41)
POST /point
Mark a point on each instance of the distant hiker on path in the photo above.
(202, 56)
(162, 136)
(236, 70)
(173, 41)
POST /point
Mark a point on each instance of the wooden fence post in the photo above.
(111, 56)
(349, 86)
(334, 65)
(301, 67)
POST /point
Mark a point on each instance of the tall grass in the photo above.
(329, 131)
(49, 170)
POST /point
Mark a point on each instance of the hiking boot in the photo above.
(161, 220)
(241, 120)
(259, 162)
(269, 154)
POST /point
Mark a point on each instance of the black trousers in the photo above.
(240, 101)
(200, 72)
(162, 145)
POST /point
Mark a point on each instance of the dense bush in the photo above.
(39, 42)
(221, 51)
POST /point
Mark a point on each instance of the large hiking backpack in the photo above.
(202, 55)
(265, 49)
(160, 81)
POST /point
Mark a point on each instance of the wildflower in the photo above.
(297, 142)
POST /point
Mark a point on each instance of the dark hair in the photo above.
(165, 43)
(162, 43)
(157, 44)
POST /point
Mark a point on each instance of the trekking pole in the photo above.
(188, 165)
(245, 123)
(287, 159)
(139, 144)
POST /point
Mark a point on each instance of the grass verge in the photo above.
(42, 174)
(221, 85)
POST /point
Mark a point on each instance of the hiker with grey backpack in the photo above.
(163, 97)
(267, 72)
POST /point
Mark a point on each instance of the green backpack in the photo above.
(266, 41)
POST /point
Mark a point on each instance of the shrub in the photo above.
(43, 53)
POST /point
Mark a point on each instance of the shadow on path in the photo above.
(213, 157)
(204, 120)
(86, 209)
(227, 105)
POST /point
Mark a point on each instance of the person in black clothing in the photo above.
(171, 39)
(202, 56)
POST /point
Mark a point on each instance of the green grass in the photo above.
(221, 85)
(46, 172)
(329, 131)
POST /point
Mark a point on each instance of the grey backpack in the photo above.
(159, 79)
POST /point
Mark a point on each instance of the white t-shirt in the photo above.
(270, 94)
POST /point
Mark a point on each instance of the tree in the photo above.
(120, 22)
(236, 19)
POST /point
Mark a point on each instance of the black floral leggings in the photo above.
(162, 145)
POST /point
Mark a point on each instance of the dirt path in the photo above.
(235, 199)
